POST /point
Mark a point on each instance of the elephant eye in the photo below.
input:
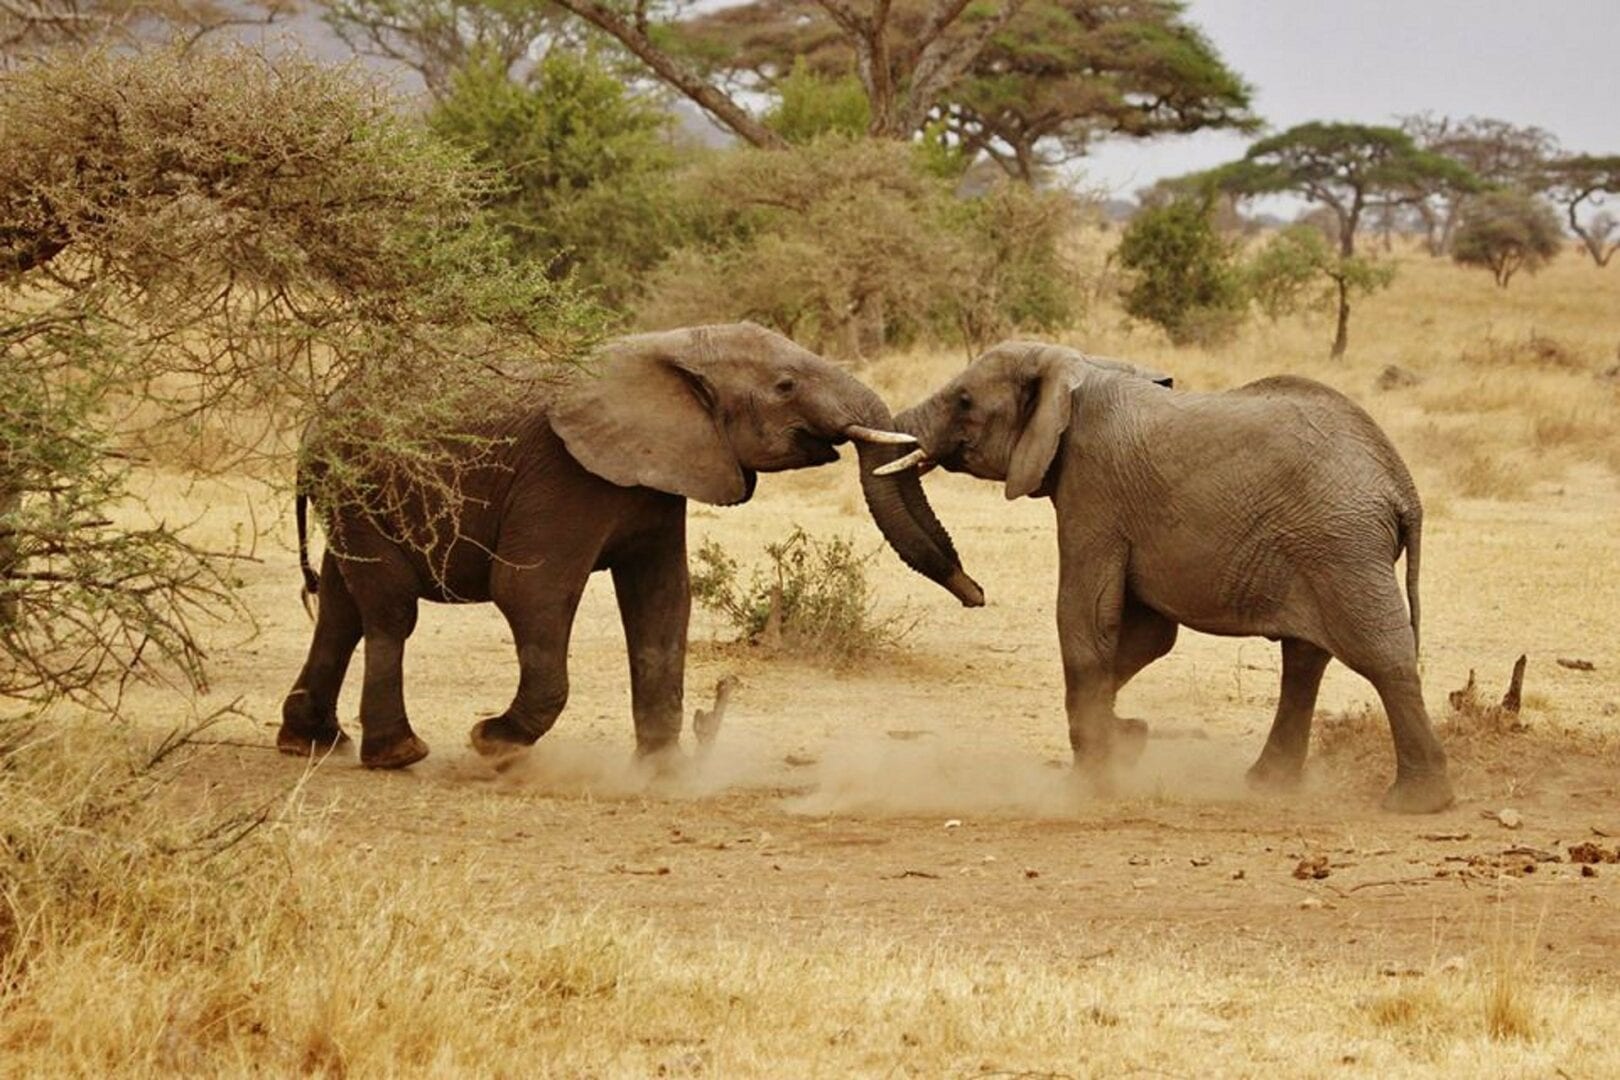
(785, 385)
(964, 401)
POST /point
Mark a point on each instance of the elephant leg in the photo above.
(1422, 784)
(1091, 597)
(1282, 762)
(539, 605)
(1376, 641)
(655, 605)
(386, 738)
(309, 721)
(1144, 636)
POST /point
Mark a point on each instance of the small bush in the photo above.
(1184, 272)
(809, 106)
(582, 163)
(1505, 232)
(1013, 274)
(1535, 350)
(813, 598)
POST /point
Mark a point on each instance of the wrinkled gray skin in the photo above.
(595, 479)
(1277, 509)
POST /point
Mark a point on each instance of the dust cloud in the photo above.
(936, 777)
(870, 775)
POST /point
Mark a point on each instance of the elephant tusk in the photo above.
(876, 435)
(917, 457)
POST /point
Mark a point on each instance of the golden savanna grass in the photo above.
(167, 920)
(141, 940)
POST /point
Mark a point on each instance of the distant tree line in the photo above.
(1485, 192)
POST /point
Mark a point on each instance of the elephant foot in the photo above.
(663, 759)
(298, 743)
(498, 739)
(1130, 739)
(392, 752)
(1419, 793)
(1271, 773)
(1096, 776)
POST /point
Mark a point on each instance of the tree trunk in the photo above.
(1024, 155)
(943, 58)
(1341, 336)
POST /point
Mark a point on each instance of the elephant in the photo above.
(1276, 509)
(592, 475)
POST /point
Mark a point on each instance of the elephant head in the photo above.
(1004, 417)
(700, 412)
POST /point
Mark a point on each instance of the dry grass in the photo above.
(1510, 377)
(273, 954)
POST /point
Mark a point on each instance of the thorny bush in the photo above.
(209, 245)
(811, 598)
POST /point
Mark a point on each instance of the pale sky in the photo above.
(1551, 63)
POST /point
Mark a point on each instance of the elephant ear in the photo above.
(643, 419)
(1051, 385)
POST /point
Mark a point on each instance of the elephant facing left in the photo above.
(594, 476)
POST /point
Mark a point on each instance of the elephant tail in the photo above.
(312, 580)
(1411, 538)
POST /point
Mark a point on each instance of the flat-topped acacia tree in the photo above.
(1037, 89)
(1586, 179)
(1351, 169)
(1024, 81)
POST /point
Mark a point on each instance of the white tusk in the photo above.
(875, 435)
(916, 457)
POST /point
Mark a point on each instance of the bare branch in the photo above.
(944, 60)
(704, 94)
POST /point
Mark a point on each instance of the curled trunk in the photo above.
(901, 510)
(907, 521)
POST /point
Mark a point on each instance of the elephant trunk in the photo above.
(907, 521)
(901, 510)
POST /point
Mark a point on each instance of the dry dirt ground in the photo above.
(922, 796)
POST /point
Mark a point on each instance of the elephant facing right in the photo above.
(1277, 509)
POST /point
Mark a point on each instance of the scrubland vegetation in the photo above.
(197, 248)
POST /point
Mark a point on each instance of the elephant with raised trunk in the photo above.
(1277, 509)
(595, 476)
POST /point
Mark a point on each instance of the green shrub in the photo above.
(1184, 276)
(1012, 275)
(583, 163)
(1299, 270)
(811, 599)
(1505, 232)
(835, 243)
(809, 106)
(850, 244)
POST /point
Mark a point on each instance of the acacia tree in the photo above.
(1036, 90)
(1350, 169)
(439, 38)
(1299, 270)
(31, 28)
(1583, 179)
(206, 246)
(1498, 153)
(1507, 231)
